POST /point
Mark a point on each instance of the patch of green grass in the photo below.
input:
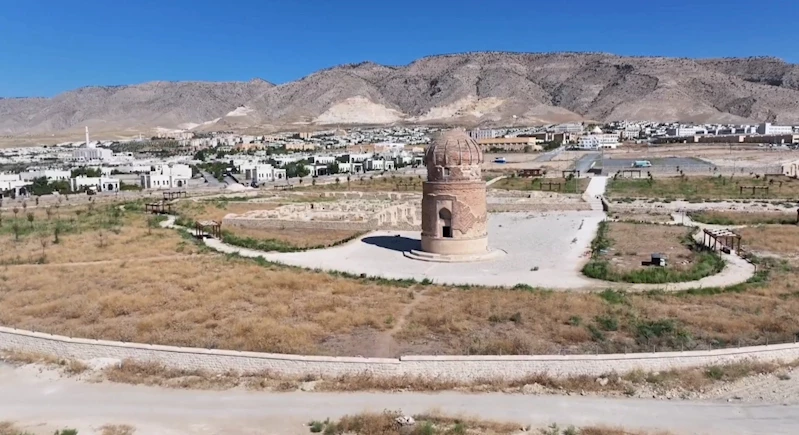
(614, 297)
(701, 188)
(601, 241)
(721, 218)
(608, 322)
(705, 264)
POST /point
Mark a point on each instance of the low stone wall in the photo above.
(309, 225)
(457, 368)
(537, 207)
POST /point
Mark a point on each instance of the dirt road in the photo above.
(32, 398)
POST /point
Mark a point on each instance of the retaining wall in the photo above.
(533, 207)
(458, 368)
(363, 226)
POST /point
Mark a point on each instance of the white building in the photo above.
(389, 147)
(323, 160)
(768, 129)
(681, 131)
(101, 184)
(598, 141)
(478, 134)
(49, 174)
(262, 173)
(379, 165)
(91, 152)
(573, 128)
(169, 176)
(13, 183)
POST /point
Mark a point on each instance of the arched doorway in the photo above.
(445, 217)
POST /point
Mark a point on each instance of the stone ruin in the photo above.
(359, 215)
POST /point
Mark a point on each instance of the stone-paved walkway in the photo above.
(554, 262)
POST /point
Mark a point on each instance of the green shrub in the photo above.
(613, 297)
(608, 322)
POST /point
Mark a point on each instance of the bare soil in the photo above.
(635, 243)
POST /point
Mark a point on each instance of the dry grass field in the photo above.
(208, 300)
(437, 423)
(641, 216)
(782, 240)
(217, 302)
(433, 423)
(81, 235)
(635, 243)
(702, 188)
(288, 237)
(575, 185)
(745, 218)
(295, 237)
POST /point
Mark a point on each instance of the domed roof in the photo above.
(452, 149)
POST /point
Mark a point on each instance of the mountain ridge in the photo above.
(474, 88)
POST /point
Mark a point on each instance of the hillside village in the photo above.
(180, 159)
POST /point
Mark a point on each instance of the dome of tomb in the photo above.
(453, 156)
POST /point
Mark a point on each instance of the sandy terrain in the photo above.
(39, 401)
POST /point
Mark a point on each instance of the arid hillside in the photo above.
(473, 88)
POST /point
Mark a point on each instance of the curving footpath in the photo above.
(32, 399)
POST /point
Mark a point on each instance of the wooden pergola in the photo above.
(624, 172)
(753, 189)
(726, 237)
(158, 207)
(175, 194)
(533, 172)
(204, 229)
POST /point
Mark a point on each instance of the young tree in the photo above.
(24, 205)
(30, 217)
(44, 241)
(56, 233)
(15, 210)
(15, 229)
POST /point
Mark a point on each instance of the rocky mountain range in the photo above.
(486, 88)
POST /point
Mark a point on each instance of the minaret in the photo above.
(88, 144)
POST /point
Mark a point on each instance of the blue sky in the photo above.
(50, 46)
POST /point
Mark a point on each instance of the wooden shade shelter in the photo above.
(175, 194)
(727, 239)
(754, 189)
(158, 207)
(630, 172)
(204, 229)
(533, 172)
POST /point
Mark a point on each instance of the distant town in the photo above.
(186, 159)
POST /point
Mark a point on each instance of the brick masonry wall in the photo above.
(459, 368)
